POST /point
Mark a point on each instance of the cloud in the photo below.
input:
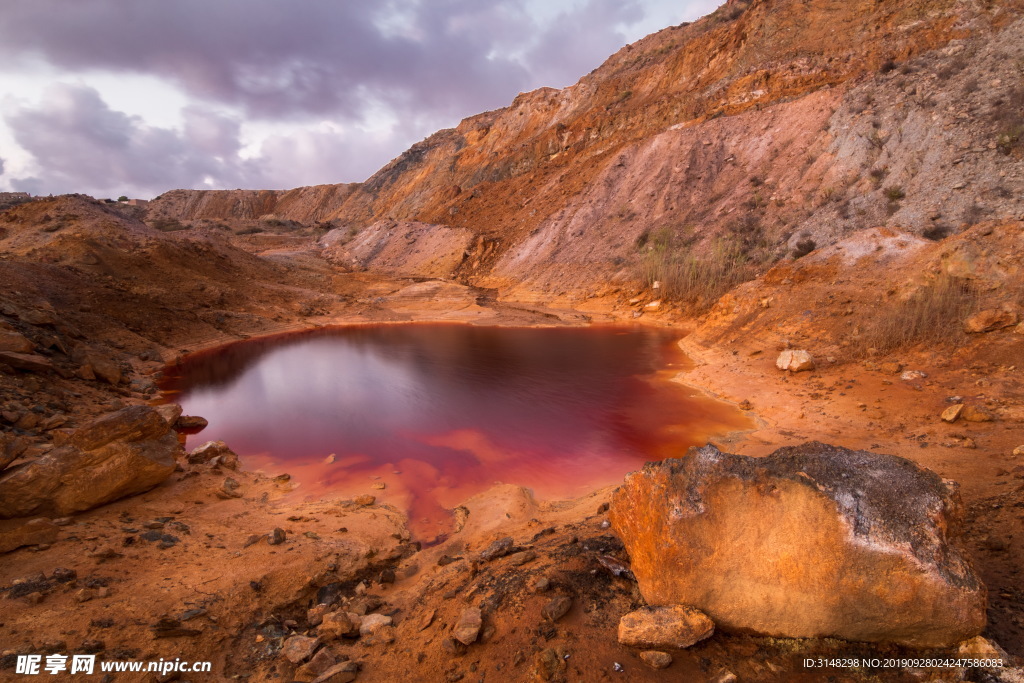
(1, 166)
(365, 80)
(80, 144)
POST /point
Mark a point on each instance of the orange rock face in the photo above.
(120, 454)
(810, 541)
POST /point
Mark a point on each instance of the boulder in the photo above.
(117, 455)
(992, 319)
(811, 541)
(794, 360)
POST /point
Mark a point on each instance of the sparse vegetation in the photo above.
(894, 193)
(932, 315)
(694, 278)
(887, 66)
(168, 224)
(804, 247)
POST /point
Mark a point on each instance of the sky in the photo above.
(115, 97)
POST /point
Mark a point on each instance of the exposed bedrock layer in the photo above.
(120, 454)
(810, 541)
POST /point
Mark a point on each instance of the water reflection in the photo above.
(440, 412)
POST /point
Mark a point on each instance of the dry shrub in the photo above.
(934, 315)
(696, 280)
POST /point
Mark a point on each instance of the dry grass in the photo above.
(696, 280)
(932, 315)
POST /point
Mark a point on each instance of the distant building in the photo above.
(137, 202)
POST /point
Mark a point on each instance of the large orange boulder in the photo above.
(810, 541)
(117, 455)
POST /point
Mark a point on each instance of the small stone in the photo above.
(339, 673)
(548, 665)
(40, 531)
(84, 595)
(467, 629)
(656, 659)
(913, 375)
(378, 485)
(229, 489)
(499, 548)
(337, 625)
(795, 360)
(557, 608)
(746, 405)
(976, 414)
(387, 576)
(253, 539)
(170, 412)
(453, 647)
(315, 615)
(276, 537)
(364, 500)
(427, 620)
(521, 558)
(980, 647)
(214, 452)
(1019, 450)
(372, 623)
(61, 575)
(990, 320)
(890, 367)
(725, 677)
(952, 413)
(674, 626)
(298, 649)
(102, 592)
(541, 585)
(188, 423)
(323, 660)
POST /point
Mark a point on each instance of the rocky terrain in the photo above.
(824, 198)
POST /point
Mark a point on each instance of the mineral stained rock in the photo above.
(117, 455)
(810, 541)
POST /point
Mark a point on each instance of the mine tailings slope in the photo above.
(757, 128)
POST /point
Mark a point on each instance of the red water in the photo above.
(441, 412)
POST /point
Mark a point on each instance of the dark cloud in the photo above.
(82, 145)
(416, 65)
(280, 59)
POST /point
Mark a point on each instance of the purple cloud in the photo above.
(419, 65)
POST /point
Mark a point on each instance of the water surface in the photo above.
(440, 412)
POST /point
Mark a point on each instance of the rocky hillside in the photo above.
(759, 127)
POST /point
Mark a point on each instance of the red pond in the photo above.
(440, 412)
